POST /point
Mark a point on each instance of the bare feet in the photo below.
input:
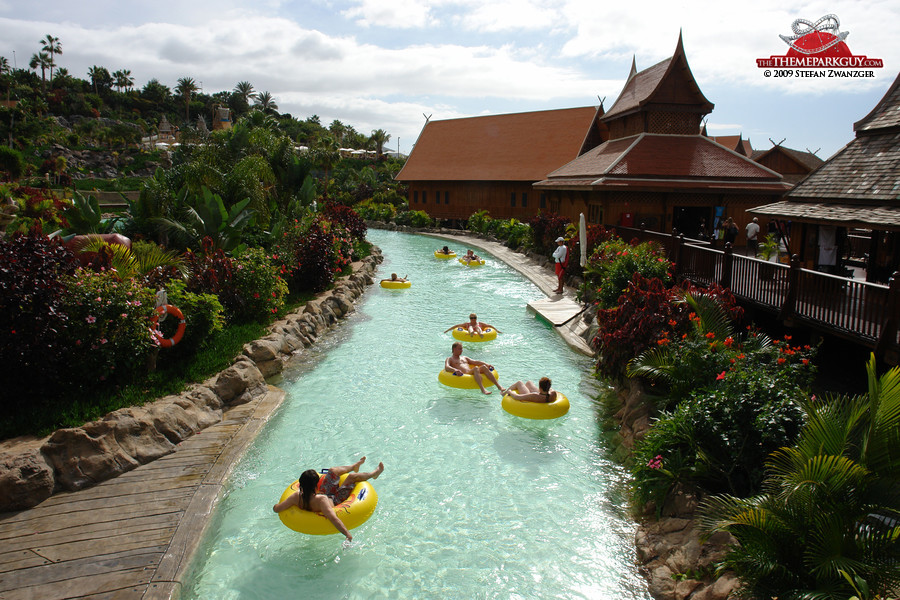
(485, 392)
(378, 471)
(357, 464)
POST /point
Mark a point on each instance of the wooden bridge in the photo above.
(864, 313)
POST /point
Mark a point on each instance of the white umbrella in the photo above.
(582, 238)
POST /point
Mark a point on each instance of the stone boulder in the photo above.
(240, 383)
(26, 480)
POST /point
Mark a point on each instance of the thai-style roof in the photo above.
(510, 147)
(858, 186)
(669, 82)
(733, 142)
(658, 161)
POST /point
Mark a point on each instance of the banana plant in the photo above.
(208, 217)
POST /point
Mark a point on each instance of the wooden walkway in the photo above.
(133, 536)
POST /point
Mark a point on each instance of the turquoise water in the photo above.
(474, 502)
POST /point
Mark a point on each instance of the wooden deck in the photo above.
(131, 537)
(867, 314)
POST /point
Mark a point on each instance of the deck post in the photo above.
(887, 339)
(727, 266)
(675, 255)
(786, 314)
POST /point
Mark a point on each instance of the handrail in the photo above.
(859, 311)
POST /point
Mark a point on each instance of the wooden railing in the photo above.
(861, 312)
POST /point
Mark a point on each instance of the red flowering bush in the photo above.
(108, 330)
(348, 218)
(645, 315)
(260, 289)
(310, 252)
(212, 272)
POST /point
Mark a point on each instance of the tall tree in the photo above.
(41, 60)
(123, 79)
(244, 89)
(380, 137)
(265, 102)
(186, 88)
(51, 46)
(100, 78)
(338, 130)
(156, 92)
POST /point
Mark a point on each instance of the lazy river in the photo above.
(473, 502)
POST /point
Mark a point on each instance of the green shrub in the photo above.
(12, 165)
(203, 315)
(614, 263)
(515, 233)
(376, 211)
(479, 221)
(414, 218)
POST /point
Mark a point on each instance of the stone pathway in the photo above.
(133, 536)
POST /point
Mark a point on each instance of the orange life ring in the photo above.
(165, 342)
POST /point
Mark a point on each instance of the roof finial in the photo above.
(633, 69)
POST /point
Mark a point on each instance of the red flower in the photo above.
(805, 361)
(720, 376)
(781, 361)
(710, 336)
(728, 342)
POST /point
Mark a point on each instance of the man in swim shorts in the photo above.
(330, 494)
(474, 326)
(463, 365)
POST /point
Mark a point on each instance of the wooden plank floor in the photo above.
(132, 536)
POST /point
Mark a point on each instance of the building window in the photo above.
(543, 200)
(446, 197)
(595, 213)
(524, 199)
(512, 199)
(416, 197)
(424, 197)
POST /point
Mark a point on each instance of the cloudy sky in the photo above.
(388, 63)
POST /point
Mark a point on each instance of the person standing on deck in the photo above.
(753, 237)
(559, 258)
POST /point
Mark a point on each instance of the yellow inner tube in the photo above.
(465, 382)
(472, 263)
(463, 334)
(437, 254)
(395, 285)
(353, 512)
(537, 410)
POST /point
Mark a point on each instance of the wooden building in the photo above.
(657, 169)
(793, 165)
(460, 166)
(858, 187)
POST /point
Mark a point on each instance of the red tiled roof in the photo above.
(656, 160)
(729, 141)
(638, 88)
(511, 147)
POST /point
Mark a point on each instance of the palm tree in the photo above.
(185, 88)
(100, 78)
(324, 154)
(828, 518)
(52, 46)
(265, 102)
(4, 65)
(338, 130)
(380, 137)
(41, 60)
(244, 89)
(123, 79)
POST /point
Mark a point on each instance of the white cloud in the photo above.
(399, 14)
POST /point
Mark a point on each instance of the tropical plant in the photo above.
(51, 46)
(207, 217)
(829, 512)
(545, 228)
(769, 247)
(123, 79)
(613, 264)
(186, 88)
(479, 221)
(379, 137)
(100, 78)
(84, 216)
(42, 61)
(265, 102)
(135, 262)
(244, 89)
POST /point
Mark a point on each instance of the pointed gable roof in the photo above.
(510, 147)
(665, 83)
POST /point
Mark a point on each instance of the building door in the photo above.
(689, 220)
